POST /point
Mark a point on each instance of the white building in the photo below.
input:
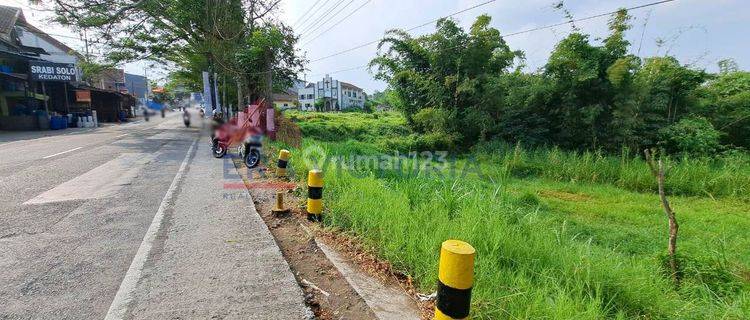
(55, 51)
(335, 95)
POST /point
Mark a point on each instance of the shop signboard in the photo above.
(50, 71)
(83, 96)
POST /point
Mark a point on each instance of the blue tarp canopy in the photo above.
(154, 105)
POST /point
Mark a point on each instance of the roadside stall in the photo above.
(21, 106)
(53, 80)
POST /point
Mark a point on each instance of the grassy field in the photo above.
(559, 235)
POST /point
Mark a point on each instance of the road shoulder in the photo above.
(214, 256)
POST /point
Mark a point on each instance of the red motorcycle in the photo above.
(219, 143)
(247, 135)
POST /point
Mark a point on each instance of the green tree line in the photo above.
(467, 86)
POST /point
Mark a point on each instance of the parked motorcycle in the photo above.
(250, 150)
(219, 143)
(219, 137)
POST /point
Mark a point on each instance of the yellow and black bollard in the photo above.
(455, 280)
(315, 195)
(279, 209)
(282, 164)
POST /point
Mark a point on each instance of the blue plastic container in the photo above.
(53, 123)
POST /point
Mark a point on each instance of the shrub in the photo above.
(695, 136)
(431, 120)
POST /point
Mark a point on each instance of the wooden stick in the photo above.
(657, 169)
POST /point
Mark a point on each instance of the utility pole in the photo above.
(211, 89)
(86, 42)
(225, 106)
(239, 95)
(148, 85)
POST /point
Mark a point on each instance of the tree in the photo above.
(90, 69)
(725, 100)
(728, 66)
(449, 70)
(267, 60)
(319, 105)
(588, 82)
(193, 35)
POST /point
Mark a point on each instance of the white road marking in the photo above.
(101, 182)
(122, 135)
(166, 135)
(59, 153)
(124, 295)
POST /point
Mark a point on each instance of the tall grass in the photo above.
(722, 176)
(529, 264)
(727, 175)
(546, 259)
(350, 126)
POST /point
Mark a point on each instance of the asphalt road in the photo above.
(131, 221)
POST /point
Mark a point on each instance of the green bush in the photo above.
(431, 120)
(692, 136)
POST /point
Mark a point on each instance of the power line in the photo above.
(586, 18)
(306, 12)
(323, 16)
(339, 71)
(507, 35)
(337, 23)
(312, 15)
(64, 36)
(407, 30)
(310, 32)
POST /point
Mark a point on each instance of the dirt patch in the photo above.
(327, 292)
(567, 196)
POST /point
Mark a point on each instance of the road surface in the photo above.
(133, 222)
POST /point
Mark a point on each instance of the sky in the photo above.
(697, 32)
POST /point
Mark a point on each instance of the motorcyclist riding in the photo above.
(186, 118)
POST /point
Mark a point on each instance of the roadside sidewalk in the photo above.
(214, 257)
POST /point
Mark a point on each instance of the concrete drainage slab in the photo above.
(385, 302)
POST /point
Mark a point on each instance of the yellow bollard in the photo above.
(455, 280)
(279, 209)
(283, 162)
(315, 195)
